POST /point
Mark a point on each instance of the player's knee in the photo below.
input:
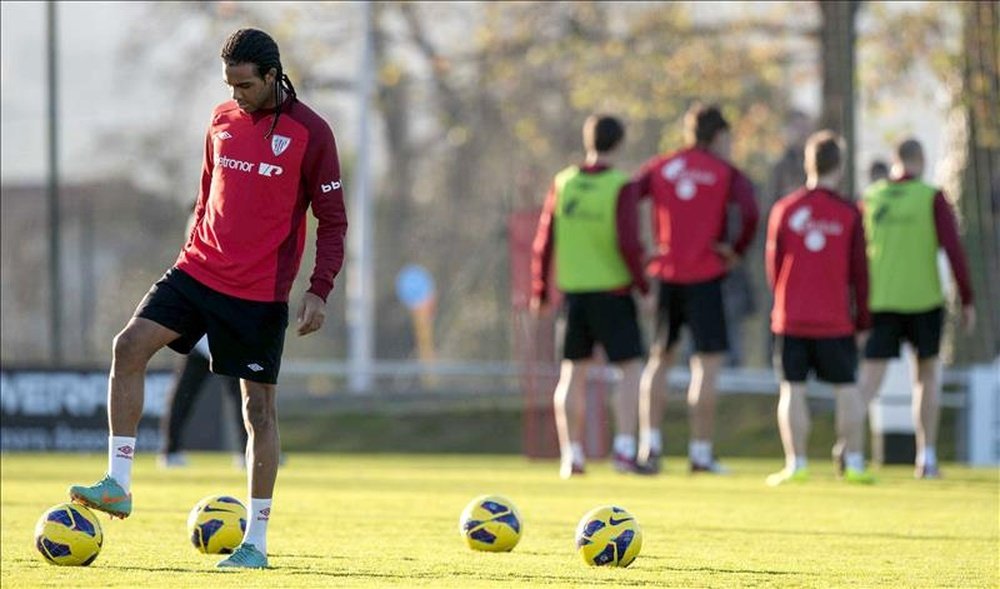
(126, 348)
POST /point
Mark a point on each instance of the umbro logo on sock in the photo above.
(264, 514)
(255, 367)
(125, 452)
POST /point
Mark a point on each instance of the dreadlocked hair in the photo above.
(257, 47)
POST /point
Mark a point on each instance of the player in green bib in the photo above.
(589, 229)
(906, 222)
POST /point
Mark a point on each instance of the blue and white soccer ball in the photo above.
(217, 523)
(490, 523)
(69, 534)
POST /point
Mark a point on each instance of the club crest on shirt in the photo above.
(279, 143)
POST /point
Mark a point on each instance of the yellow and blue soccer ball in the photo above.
(69, 534)
(608, 536)
(490, 523)
(216, 524)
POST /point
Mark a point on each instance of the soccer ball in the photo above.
(608, 536)
(216, 524)
(69, 534)
(490, 523)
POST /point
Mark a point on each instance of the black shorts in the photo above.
(246, 338)
(922, 330)
(833, 359)
(599, 317)
(699, 306)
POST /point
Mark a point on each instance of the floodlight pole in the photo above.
(55, 274)
(361, 267)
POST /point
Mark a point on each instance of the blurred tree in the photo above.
(837, 53)
(980, 203)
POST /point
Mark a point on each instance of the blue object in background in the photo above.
(414, 285)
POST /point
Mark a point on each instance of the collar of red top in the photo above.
(594, 169)
(259, 114)
(824, 190)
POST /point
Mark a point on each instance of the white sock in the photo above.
(625, 445)
(258, 516)
(121, 449)
(700, 452)
(854, 461)
(572, 454)
(654, 440)
(928, 457)
(796, 463)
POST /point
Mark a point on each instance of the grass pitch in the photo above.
(392, 521)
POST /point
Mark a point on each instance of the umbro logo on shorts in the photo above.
(255, 367)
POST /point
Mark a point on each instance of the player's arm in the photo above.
(627, 220)
(858, 274)
(208, 164)
(541, 251)
(773, 251)
(742, 194)
(947, 233)
(642, 181)
(321, 175)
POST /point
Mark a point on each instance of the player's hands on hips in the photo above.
(969, 318)
(312, 314)
(729, 255)
(536, 306)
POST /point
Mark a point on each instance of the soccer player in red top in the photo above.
(817, 269)
(690, 190)
(268, 159)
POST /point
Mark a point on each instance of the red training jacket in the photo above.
(690, 189)
(817, 266)
(250, 220)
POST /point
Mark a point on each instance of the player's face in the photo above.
(250, 91)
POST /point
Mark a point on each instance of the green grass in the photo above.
(391, 521)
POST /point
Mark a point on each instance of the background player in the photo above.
(192, 372)
(816, 266)
(690, 190)
(268, 158)
(906, 222)
(589, 224)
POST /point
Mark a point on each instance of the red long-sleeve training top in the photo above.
(817, 266)
(690, 189)
(250, 219)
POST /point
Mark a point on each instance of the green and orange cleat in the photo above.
(105, 495)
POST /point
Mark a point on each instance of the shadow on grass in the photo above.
(316, 556)
(854, 535)
(153, 569)
(617, 582)
(411, 576)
